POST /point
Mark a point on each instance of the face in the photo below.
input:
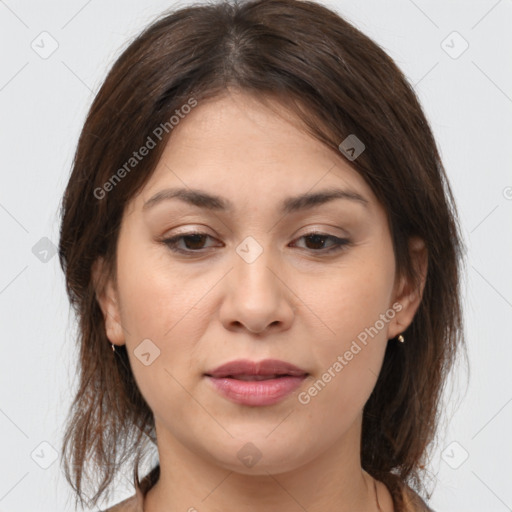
(253, 274)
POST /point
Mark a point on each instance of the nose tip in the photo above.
(256, 299)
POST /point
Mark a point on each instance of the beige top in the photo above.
(135, 503)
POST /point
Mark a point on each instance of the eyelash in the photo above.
(340, 243)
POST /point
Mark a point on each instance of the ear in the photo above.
(107, 297)
(408, 294)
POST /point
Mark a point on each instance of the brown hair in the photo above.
(338, 82)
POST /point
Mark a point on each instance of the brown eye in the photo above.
(193, 242)
(316, 242)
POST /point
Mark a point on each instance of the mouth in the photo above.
(256, 384)
(249, 378)
(244, 369)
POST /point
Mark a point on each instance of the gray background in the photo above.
(467, 96)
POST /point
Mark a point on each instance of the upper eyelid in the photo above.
(198, 232)
(339, 241)
(203, 230)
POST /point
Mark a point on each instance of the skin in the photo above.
(291, 303)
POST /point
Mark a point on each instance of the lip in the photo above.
(284, 378)
(265, 368)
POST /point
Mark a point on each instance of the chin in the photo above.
(259, 455)
(263, 467)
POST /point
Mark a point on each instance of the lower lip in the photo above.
(261, 392)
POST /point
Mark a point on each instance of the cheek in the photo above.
(156, 296)
(351, 350)
(166, 306)
(350, 300)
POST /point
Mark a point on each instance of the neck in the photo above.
(332, 482)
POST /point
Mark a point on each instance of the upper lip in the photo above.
(267, 367)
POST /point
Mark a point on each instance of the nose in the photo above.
(256, 298)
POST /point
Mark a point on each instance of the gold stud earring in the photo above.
(401, 339)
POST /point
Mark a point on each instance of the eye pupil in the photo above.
(196, 238)
(317, 240)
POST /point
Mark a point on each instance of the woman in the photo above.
(262, 248)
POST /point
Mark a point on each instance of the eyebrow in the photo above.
(289, 205)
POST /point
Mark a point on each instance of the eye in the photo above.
(317, 241)
(194, 242)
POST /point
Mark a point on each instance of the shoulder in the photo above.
(130, 504)
(135, 503)
(413, 501)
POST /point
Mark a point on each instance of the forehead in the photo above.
(235, 146)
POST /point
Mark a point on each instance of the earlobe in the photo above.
(107, 297)
(409, 294)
